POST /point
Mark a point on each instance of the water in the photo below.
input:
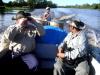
(90, 17)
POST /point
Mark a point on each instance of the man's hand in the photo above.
(21, 22)
(24, 21)
(60, 55)
(60, 50)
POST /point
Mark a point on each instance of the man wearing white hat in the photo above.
(72, 52)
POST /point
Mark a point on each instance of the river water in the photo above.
(90, 17)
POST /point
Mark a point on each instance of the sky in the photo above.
(69, 2)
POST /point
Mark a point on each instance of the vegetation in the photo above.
(30, 4)
(23, 4)
(88, 6)
(1, 4)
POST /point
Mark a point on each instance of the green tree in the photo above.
(20, 1)
(49, 3)
(1, 3)
(95, 6)
(2, 8)
(31, 3)
(98, 6)
(9, 4)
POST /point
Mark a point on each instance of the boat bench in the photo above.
(46, 54)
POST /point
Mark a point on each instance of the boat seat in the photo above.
(46, 54)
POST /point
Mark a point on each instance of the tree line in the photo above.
(30, 3)
(43, 4)
(88, 6)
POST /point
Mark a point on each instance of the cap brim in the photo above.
(19, 15)
(14, 18)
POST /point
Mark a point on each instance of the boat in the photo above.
(47, 52)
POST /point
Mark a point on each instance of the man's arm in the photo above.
(39, 27)
(60, 53)
(5, 40)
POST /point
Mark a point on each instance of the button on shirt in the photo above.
(77, 42)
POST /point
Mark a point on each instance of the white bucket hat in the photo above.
(76, 24)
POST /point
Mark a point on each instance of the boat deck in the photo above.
(17, 67)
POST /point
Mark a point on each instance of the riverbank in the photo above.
(6, 8)
(11, 9)
(84, 6)
(17, 8)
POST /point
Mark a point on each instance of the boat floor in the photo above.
(19, 71)
(18, 68)
(40, 72)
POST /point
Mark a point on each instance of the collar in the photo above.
(75, 34)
